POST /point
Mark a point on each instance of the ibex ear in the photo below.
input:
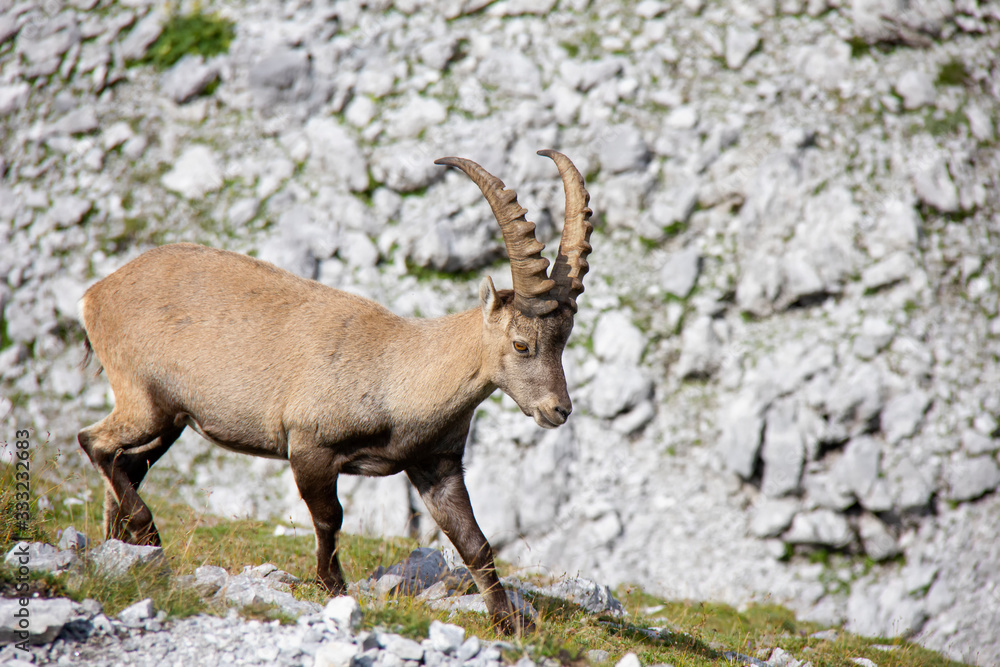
(488, 301)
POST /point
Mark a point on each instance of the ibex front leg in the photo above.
(442, 487)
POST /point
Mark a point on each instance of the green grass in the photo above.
(682, 633)
(196, 33)
(953, 73)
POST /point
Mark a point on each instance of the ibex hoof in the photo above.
(518, 625)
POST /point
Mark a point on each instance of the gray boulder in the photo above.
(40, 557)
(115, 559)
(283, 76)
(136, 615)
(188, 78)
(970, 478)
(935, 187)
(47, 619)
(820, 527)
(142, 36)
(423, 568)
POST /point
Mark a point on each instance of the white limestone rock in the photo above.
(969, 478)
(820, 527)
(935, 187)
(145, 32)
(916, 88)
(47, 619)
(742, 428)
(445, 637)
(903, 414)
(344, 612)
(741, 41)
(13, 97)
(783, 450)
(618, 340)
(195, 173)
(335, 154)
(136, 615)
(680, 272)
(771, 517)
(701, 349)
(116, 559)
(189, 77)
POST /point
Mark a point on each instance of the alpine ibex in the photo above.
(263, 362)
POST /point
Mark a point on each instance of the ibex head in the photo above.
(525, 330)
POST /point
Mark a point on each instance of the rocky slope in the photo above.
(789, 340)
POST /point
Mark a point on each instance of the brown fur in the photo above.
(263, 362)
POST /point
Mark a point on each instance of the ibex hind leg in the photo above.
(123, 449)
(315, 471)
(136, 463)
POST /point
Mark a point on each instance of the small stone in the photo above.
(446, 637)
(623, 149)
(629, 660)
(69, 211)
(388, 584)
(701, 350)
(935, 188)
(902, 415)
(13, 97)
(863, 662)
(980, 123)
(72, 539)
(403, 648)
(208, 579)
(188, 78)
(970, 478)
(895, 268)
(142, 35)
(195, 174)
(974, 442)
(469, 649)
(597, 656)
(336, 654)
(916, 88)
(79, 121)
(773, 516)
(783, 450)
(680, 272)
(344, 611)
(136, 615)
(116, 135)
(823, 527)
(617, 339)
(741, 41)
(878, 542)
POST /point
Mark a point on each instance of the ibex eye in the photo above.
(520, 347)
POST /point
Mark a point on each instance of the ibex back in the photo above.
(263, 362)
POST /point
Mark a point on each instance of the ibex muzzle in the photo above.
(263, 362)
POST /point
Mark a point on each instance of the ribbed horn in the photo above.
(527, 266)
(571, 263)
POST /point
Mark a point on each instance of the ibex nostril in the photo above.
(562, 411)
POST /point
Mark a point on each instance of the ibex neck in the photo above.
(448, 351)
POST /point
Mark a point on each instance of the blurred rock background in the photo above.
(785, 365)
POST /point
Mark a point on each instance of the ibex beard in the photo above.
(260, 361)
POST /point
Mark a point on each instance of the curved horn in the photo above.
(527, 266)
(571, 263)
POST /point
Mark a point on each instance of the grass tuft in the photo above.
(196, 33)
